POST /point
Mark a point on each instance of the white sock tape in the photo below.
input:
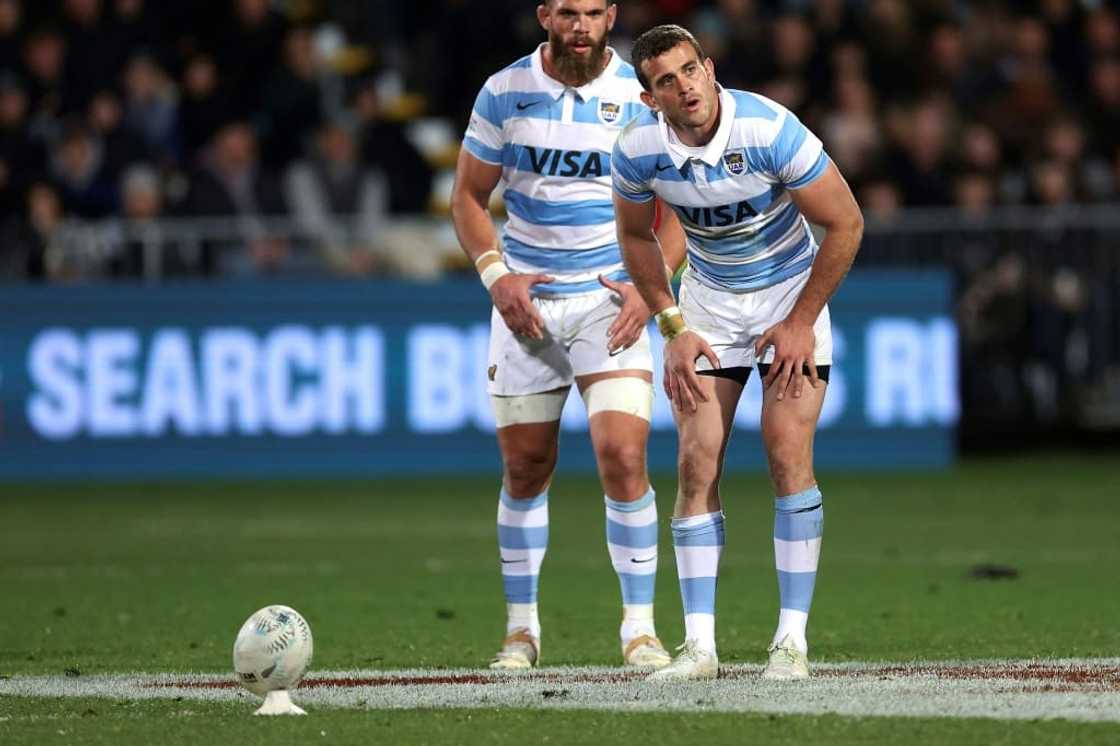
(628, 395)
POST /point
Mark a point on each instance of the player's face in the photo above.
(682, 86)
(577, 36)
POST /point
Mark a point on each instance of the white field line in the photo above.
(1085, 690)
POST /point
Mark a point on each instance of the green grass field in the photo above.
(403, 574)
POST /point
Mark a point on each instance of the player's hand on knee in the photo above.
(682, 384)
(632, 316)
(511, 297)
(794, 344)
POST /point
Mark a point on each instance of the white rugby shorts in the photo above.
(731, 323)
(574, 344)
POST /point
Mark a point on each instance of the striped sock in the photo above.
(522, 541)
(632, 544)
(698, 541)
(798, 525)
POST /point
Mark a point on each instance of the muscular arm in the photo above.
(670, 235)
(470, 212)
(827, 202)
(641, 251)
(470, 204)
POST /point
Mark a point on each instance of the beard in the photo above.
(574, 69)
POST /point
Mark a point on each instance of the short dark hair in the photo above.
(656, 42)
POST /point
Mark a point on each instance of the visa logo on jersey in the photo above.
(556, 162)
(717, 217)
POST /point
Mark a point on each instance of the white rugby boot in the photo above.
(787, 662)
(692, 663)
(520, 652)
(645, 651)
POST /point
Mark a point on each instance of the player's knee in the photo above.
(699, 471)
(622, 466)
(791, 466)
(527, 472)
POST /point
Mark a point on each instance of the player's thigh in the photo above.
(528, 437)
(619, 407)
(703, 434)
(788, 428)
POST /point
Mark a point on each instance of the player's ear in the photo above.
(544, 13)
(710, 67)
(649, 100)
(612, 14)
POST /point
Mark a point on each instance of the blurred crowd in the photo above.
(306, 109)
(920, 102)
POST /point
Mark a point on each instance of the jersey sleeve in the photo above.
(796, 156)
(627, 175)
(485, 138)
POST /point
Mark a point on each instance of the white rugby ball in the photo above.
(272, 650)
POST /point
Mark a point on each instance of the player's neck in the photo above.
(551, 71)
(699, 136)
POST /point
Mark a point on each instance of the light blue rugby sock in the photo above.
(522, 542)
(798, 527)
(698, 544)
(632, 545)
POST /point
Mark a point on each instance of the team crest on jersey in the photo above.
(735, 161)
(610, 112)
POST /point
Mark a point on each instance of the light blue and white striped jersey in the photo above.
(554, 144)
(732, 195)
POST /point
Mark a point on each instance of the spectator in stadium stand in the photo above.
(338, 202)
(11, 26)
(152, 108)
(732, 32)
(92, 57)
(44, 61)
(1064, 142)
(205, 104)
(232, 182)
(1103, 108)
(887, 28)
(291, 103)
(974, 193)
(918, 162)
(791, 44)
(145, 249)
(20, 157)
(26, 234)
(78, 165)
(248, 48)
(851, 128)
(134, 26)
(385, 146)
(880, 198)
(121, 145)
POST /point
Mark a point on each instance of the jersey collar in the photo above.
(713, 151)
(555, 88)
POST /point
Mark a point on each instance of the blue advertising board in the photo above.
(270, 379)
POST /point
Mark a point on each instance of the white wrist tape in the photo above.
(493, 273)
(490, 267)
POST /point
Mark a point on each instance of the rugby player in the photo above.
(744, 176)
(564, 309)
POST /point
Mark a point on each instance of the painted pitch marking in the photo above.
(1086, 689)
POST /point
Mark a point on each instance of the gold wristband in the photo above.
(491, 267)
(670, 323)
